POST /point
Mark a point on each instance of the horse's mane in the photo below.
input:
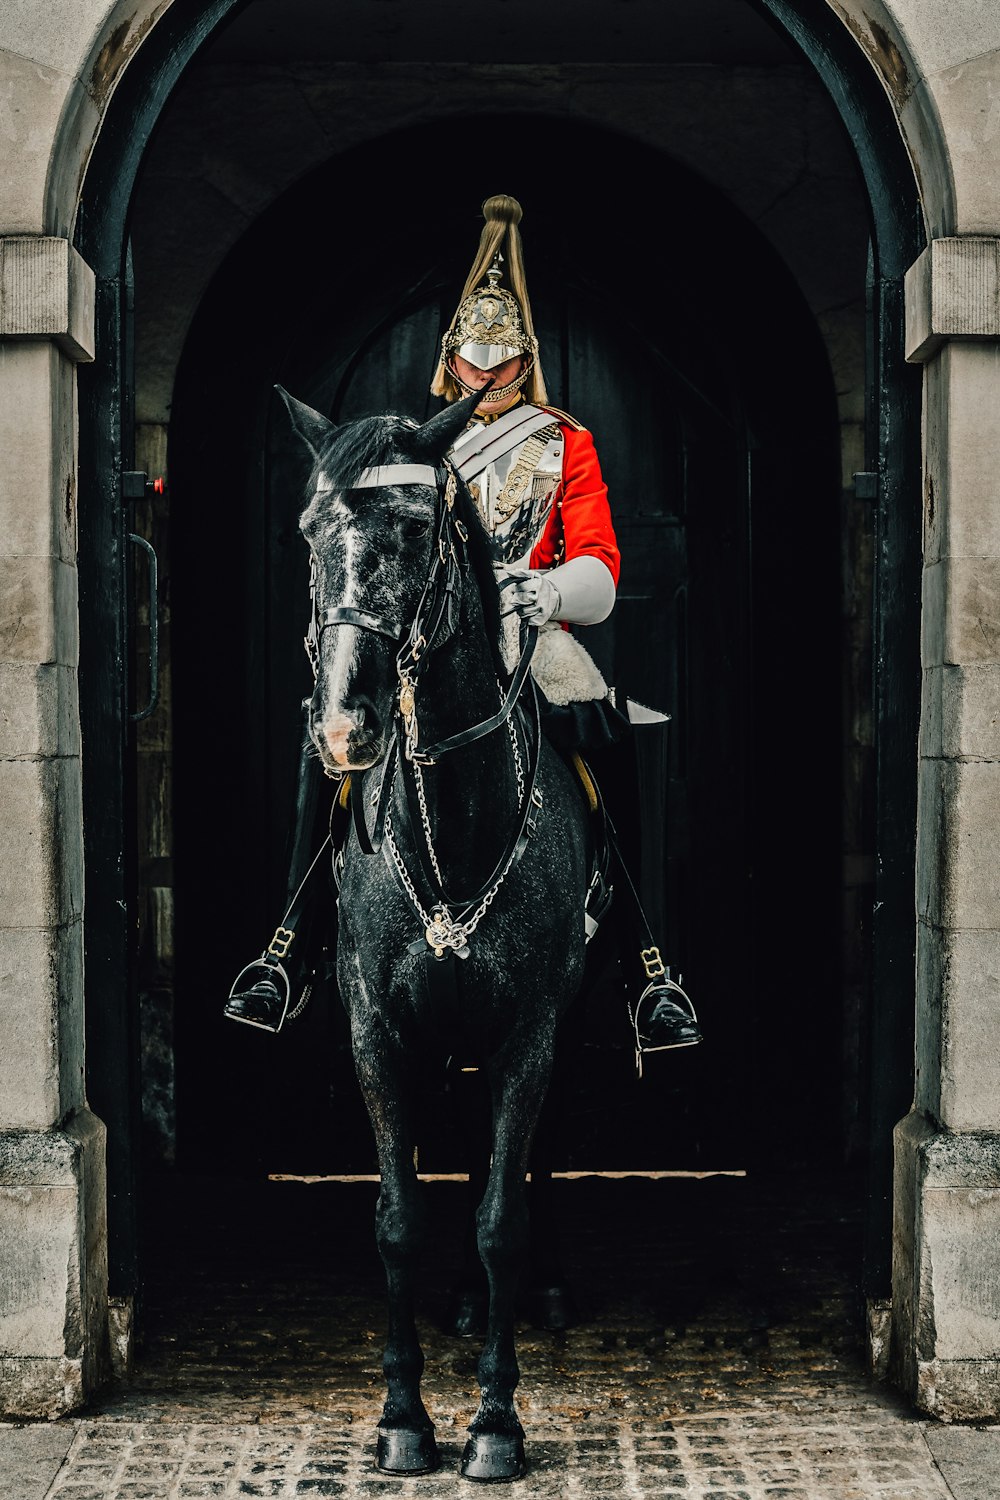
(363, 444)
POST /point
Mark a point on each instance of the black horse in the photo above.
(463, 880)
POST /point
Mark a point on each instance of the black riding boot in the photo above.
(634, 777)
(277, 985)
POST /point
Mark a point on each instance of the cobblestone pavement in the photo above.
(718, 1357)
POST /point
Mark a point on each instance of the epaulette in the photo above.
(565, 418)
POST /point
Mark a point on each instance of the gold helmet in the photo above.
(493, 323)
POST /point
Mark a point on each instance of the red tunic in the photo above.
(581, 516)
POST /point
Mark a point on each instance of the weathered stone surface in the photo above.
(60, 36)
(931, 967)
(41, 990)
(961, 1250)
(962, 453)
(37, 477)
(39, 1240)
(969, 1459)
(952, 292)
(56, 81)
(966, 96)
(40, 1388)
(79, 126)
(958, 874)
(933, 166)
(33, 95)
(631, 1403)
(47, 292)
(53, 1265)
(831, 1449)
(39, 612)
(967, 1159)
(41, 876)
(938, 38)
(959, 1390)
(961, 611)
(958, 1027)
(961, 712)
(946, 1268)
(29, 1002)
(970, 1031)
(30, 1459)
(971, 512)
(39, 711)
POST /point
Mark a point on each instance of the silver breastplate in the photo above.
(516, 492)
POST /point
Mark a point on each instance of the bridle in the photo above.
(436, 616)
(448, 922)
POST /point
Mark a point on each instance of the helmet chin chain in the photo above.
(498, 392)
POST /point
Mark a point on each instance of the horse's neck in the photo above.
(471, 793)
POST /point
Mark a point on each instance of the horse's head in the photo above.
(372, 537)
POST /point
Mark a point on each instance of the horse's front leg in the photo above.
(518, 1079)
(406, 1434)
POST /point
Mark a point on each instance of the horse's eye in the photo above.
(412, 528)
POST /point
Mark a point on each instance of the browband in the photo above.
(373, 479)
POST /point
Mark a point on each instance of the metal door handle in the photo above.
(154, 629)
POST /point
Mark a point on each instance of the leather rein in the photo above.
(434, 622)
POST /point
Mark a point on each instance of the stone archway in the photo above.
(108, 83)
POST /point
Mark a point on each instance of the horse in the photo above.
(463, 878)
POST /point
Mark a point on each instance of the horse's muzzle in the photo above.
(349, 742)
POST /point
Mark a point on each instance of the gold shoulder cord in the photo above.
(566, 419)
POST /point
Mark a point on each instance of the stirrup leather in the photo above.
(597, 902)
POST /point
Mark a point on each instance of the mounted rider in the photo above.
(534, 474)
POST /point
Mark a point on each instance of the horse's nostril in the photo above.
(364, 738)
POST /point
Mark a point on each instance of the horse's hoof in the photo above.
(552, 1307)
(400, 1451)
(469, 1315)
(494, 1457)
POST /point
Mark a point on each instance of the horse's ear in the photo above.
(311, 427)
(435, 437)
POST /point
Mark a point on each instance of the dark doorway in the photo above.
(697, 365)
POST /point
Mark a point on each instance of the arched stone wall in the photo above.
(59, 70)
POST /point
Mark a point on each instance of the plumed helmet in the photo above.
(489, 327)
(493, 322)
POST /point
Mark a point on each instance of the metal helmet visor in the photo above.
(488, 356)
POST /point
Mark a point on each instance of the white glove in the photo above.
(533, 596)
(581, 591)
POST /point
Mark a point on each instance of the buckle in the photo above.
(279, 945)
(652, 963)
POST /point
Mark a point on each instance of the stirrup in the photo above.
(253, 974)
(656, 987)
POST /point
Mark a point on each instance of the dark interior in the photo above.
(706, 384)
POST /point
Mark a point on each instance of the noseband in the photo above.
(436, 617)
